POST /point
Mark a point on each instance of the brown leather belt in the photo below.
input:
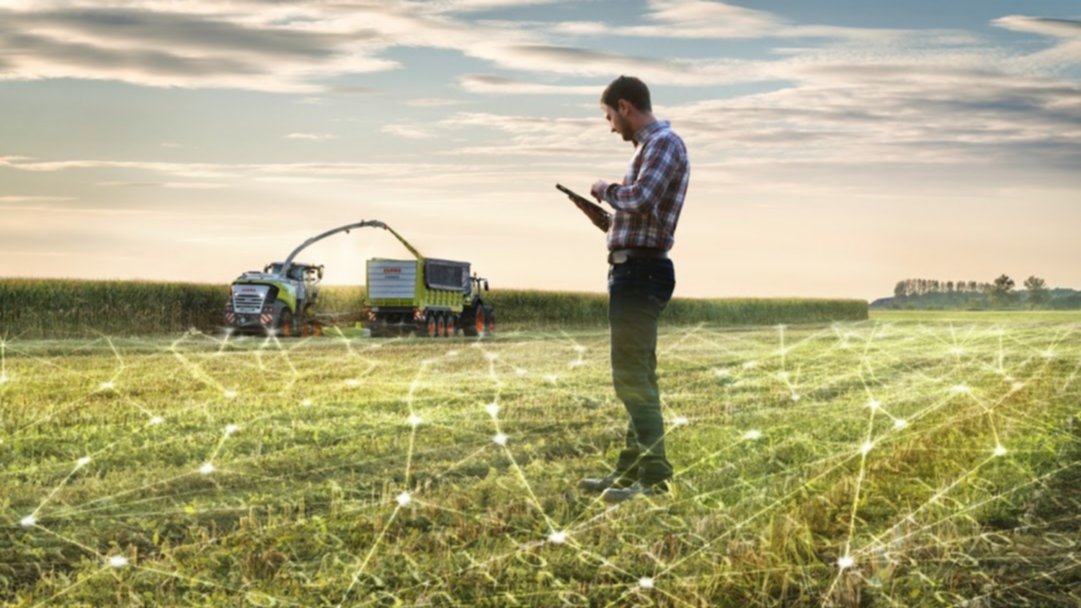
(618, 256)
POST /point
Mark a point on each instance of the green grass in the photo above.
(767, 428)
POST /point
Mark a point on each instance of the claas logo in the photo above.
(392, 270)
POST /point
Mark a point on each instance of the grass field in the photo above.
(910, 460)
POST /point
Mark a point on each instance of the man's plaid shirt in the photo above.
(649, 201)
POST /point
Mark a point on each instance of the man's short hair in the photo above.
(630, 88)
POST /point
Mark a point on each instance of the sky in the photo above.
(836, 146)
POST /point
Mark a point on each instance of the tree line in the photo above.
(999, 292)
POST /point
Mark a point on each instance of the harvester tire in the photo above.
(285, 324)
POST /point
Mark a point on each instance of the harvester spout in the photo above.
(364, 224)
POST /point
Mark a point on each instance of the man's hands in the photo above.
(600, 187)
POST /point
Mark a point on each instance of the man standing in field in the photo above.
(640, 281)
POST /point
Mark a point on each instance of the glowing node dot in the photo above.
(874, 404)
(845, 562)
(352, 382)
(82, 462)
(578, 363)
(403, 499)
(752, 435)
(521, 372)
(306, 403)
(960, 389)
(28, 522)
(106, 386)
(207, 468)
(229, 394)
(452, 353)
(680, 421)
(957, 350)
(750, 365)
(722, 373)
(866, 448)
(4, 378)
(491, 356)
(552, 378)
(1017, 386)
(156, 420)
(1000, 450)
(558, 537)
(783, 375)
(645, 582)
(118, 561)
(900, 423)
(1048, 354)
(231, 429)
(795, 397)
(492, 409)
(413, 420)
(500, 439)
(578, 348)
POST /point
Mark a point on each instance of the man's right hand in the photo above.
(599, 189)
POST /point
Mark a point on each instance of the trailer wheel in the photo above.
(452, 325)
(433, 327)
(469, 322)
(482, 320)
(441, 325)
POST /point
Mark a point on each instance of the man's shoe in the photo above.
(614, 480)
(614, 495)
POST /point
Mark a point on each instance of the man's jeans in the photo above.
(638, 290)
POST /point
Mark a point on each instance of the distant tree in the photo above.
(949, 286)
(901, 289)
(1038, 295)
(1002, 290)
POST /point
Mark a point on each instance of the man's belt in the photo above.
(618, 256)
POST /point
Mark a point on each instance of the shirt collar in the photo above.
(646, 133)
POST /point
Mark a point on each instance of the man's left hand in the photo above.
(600, 187)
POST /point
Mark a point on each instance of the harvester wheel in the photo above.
(285, 324)
(489, 318)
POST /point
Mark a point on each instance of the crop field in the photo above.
(907, 460)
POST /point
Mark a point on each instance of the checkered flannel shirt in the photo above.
(650, 199)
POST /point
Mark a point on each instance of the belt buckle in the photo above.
(618, 257)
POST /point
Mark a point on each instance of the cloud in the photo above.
(408, 131)
(490, 84)
(34, 199)
(312, 136)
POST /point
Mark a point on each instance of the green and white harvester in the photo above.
(432, 297)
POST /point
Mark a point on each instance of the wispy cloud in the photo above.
(409, 131)
(312, 136)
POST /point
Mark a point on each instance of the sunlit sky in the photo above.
(836, 146)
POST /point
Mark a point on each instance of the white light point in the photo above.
(874, 404)
(404, 499)
(491, 356)
(558, 537)
(1047, 354)
(783, 375)
(521, 372)
(82, 462)
(4, 378)
(645, 582)
(680, 421)
(866, 448)
(1000, 450)
(452, 353)
(28, 522)
(500, 439)
(229, 394)
(957, 350)
(306, 403)
(552, 378)
(900, 423)
(118, 561)
(578, 363)
(752, 435)
(207, 468)
(960, 389)
(413, 420)
(231, 429)
(750, 365)
(106, 386)
(1017, 386)
(845, 562)
(722, 373)
(492, 409)
(352, 382)
(156, 420)
(795, 397)
(578, 348)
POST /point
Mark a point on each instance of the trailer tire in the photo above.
(489, 320)
(431, 325)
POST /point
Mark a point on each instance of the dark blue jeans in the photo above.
(638, 290)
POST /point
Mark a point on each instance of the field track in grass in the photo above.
(909, 460)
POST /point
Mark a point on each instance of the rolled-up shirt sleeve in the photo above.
(659, 166)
